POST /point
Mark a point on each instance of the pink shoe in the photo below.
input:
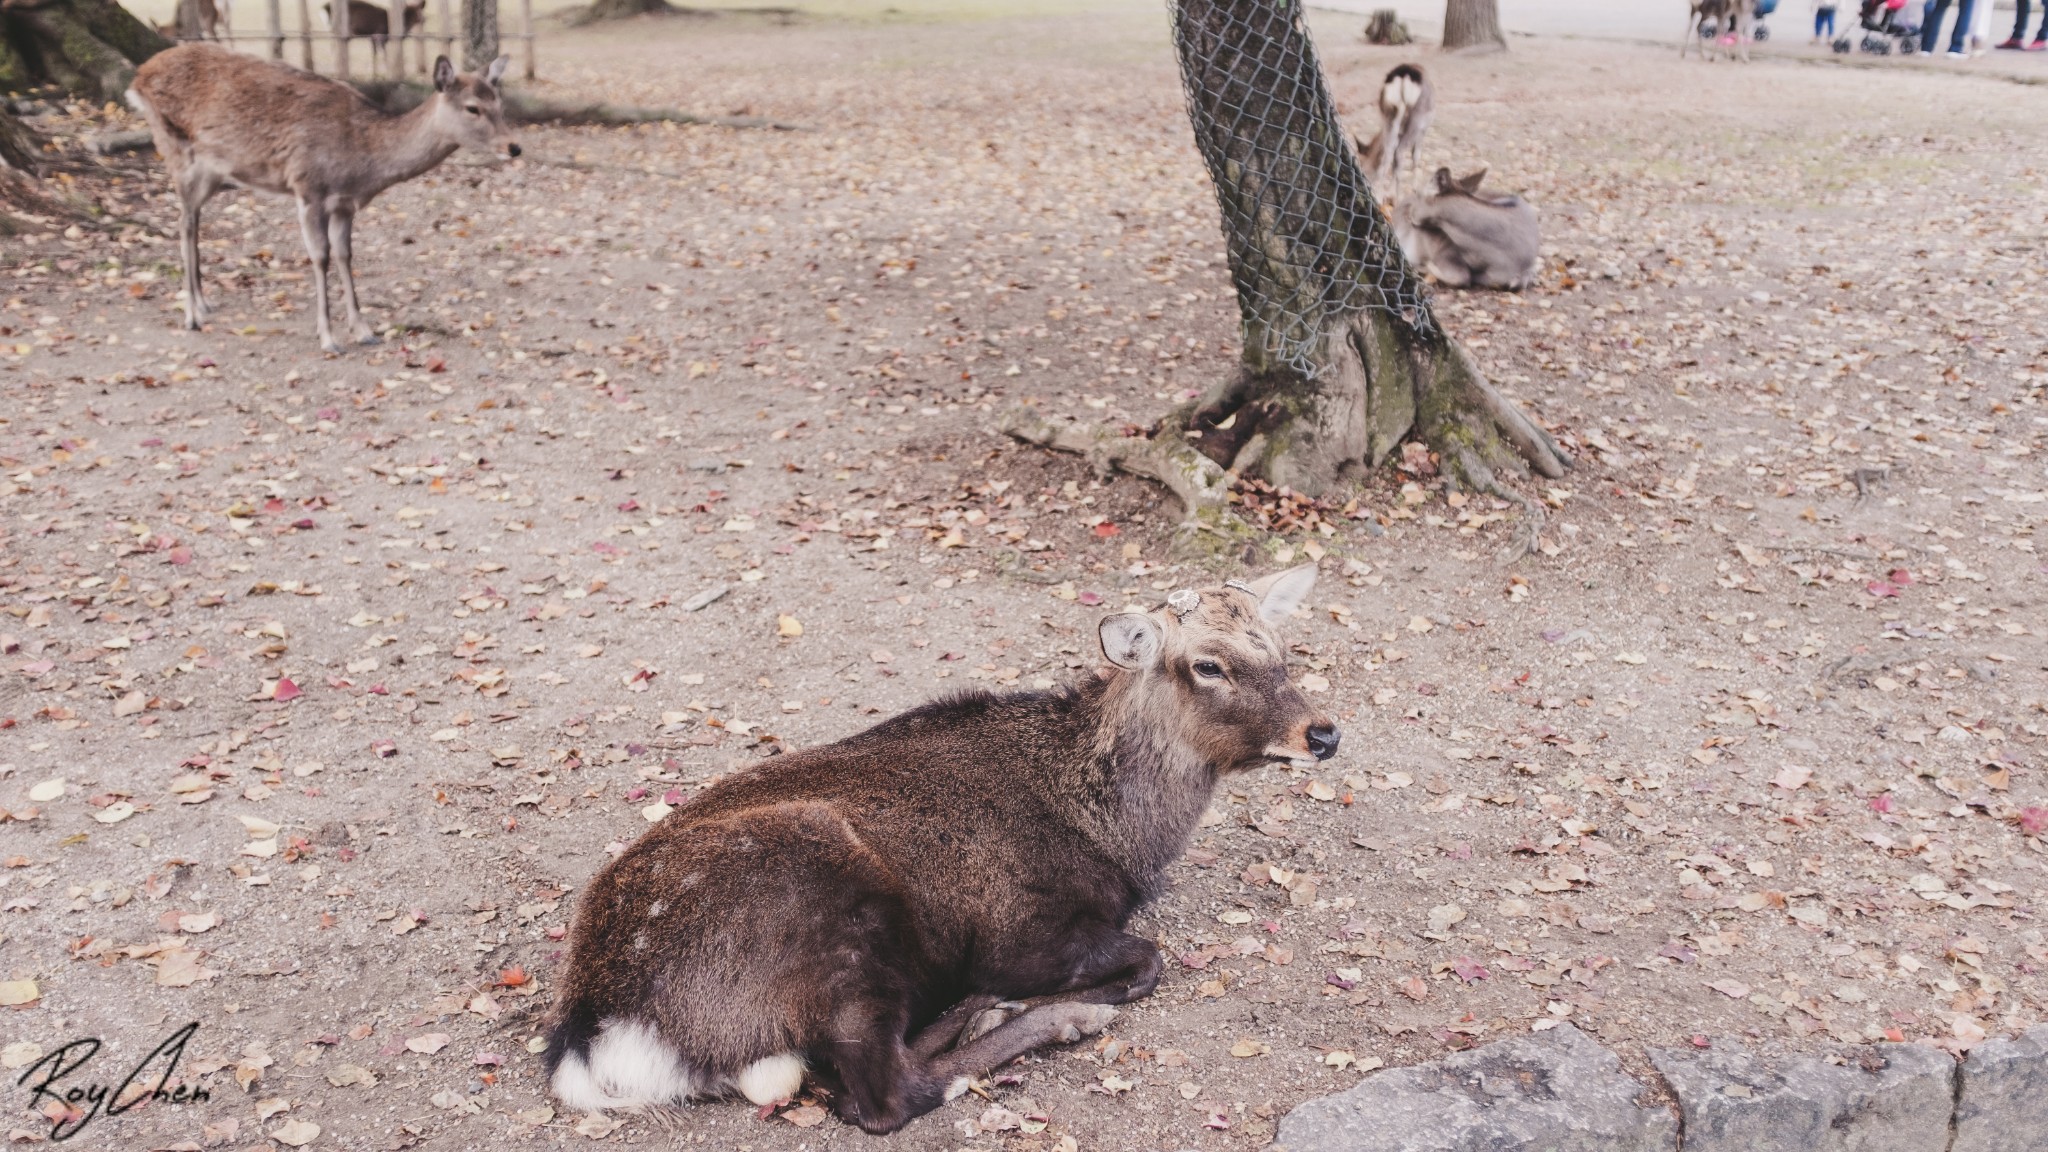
(1729, 40)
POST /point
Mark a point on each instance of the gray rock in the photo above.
(1554, 1091)
(1886, 1098)
(704, 599)
(2003, 1105)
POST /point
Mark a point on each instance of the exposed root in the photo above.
(1198, 482)
(523, 108)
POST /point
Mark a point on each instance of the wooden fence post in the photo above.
(526, 31)
(274, 15)
(447, 29)
(395, 48)
(306, 35)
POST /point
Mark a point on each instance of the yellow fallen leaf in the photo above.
(198, 922)
(1246, 1049)
(259, 828)
(47, 791)
(788, 626)
(295, 1133)
(14, 993)
(115, 813)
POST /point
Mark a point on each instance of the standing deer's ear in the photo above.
(444, 74)
(1470, 184)
(496, 71)
(1282, 592)
(1444, 183)
(1131, 640)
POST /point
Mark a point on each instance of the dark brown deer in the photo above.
(367, 19)
(913, 906)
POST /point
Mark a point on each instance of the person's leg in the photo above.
(1959, 40)
(2019, 24)
(1930, 25)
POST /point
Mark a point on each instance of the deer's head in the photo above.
(1468, 185)
(1210, 670)
(470, 108)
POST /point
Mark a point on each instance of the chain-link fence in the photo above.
(1309, 247)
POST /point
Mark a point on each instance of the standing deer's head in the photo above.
(470, 109)
(1210, 671)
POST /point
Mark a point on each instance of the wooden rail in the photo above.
(274, 37)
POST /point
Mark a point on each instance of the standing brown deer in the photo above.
(224, 119)
(367, 19)
(1407, 103)
(906, 909)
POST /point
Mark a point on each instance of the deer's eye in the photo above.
(475, 111)
(1209, 669)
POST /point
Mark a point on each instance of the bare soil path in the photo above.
(352, 669)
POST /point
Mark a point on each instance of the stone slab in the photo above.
(2003, 1103)
(1882, 1098)
(1553, 1091)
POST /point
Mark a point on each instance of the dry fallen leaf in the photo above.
(14, 993)
(806, 1116)
(47, 791)
(1247, 1048)
(597, 1126)
(788, 626)
(427, 1043)
(296, 1133)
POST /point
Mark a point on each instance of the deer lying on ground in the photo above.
(221, 118)
(367, 19)
(1467, 240)
(1407, 103)
(900, 912)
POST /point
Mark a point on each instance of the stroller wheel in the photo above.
(1842, 46)
(1762, 33)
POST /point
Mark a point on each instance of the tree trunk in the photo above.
(1342, 357)
(88, 47)
(479, 34)
(1472, 24)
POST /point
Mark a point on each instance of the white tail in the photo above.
(1407, 101)
(224, 119)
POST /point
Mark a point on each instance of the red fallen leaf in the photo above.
(285, 690)
(1091, 599)
(1340, 982)
(1895, 1036)
(304, 523)
(1702, 1042)
(1880, 589)
(436, 364)
(1469, 970)
(1413, 988)
(487, 1060)
(273, 505)
(1881, 803)
(1218, 1120)
(1901, 577)
(1195, 960)
(204, 362)
(629, 505)
(385, 749)
(2033, 821)
(180, 555)
(672, 797)
(328, 414)
(512, 977)
(636, 794)
(1105, 530)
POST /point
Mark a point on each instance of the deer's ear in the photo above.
(1282, 592)
(1444, 183)
(1470, 184)
(444, 74)
(496, 71)
(1131, 640)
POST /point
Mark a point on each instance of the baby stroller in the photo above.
(1885, 26)
(1763, 8)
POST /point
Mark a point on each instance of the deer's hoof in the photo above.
(984, 1022)
(328, 346)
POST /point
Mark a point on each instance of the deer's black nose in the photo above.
(512, 150)
(1322, 740)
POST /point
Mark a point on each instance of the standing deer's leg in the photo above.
(341, 225)
(196, 185)
(313, 226)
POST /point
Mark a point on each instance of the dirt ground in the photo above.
(354, 669)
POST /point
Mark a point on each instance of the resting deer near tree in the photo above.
(222, 119)
(903, 911)
(1469, 240)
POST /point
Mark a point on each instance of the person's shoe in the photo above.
(1958, 54)
(2011, 45)
(2038, 46)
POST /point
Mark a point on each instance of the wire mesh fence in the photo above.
(1309, 246)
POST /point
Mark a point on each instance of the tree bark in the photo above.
(1324, 391)
(479, 34)
(87, 47)
(1473, 24)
